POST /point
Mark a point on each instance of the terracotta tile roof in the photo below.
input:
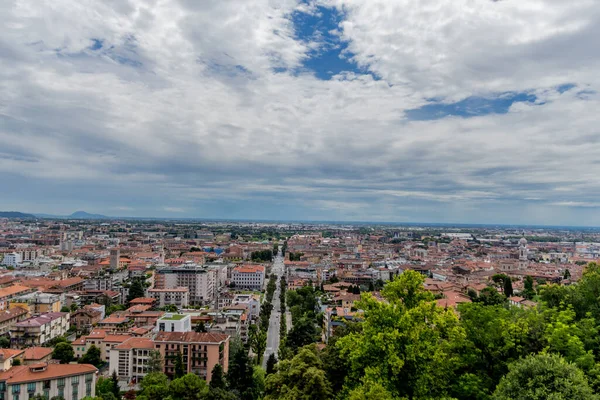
(249, 269)
(135, 343)
(25, 373)
(12, 290)
(190, 337)
(143, 300)
(8, 353)
(12, 313)
(37, 353)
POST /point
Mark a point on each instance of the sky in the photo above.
(470, 111)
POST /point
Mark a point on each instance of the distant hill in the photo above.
(15, 214)
(86, 215)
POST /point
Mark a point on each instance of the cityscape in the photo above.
(299, 200)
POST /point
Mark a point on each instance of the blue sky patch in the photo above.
(332, 55)
(96, 44)
(470, 107)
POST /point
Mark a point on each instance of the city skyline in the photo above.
(380, 111)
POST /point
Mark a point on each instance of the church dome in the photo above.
(523, 242)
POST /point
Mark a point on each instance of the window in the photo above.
(31, 387)
(60, 383)
(88, 377)
(75, 380)
(88, 389)
(61, 392)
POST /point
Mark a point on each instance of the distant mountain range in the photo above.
(16, 214)
(75, 215)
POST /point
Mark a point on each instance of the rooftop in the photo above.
(173, 317)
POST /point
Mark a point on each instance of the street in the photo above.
(274, 321)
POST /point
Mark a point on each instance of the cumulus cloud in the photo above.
(209, 106)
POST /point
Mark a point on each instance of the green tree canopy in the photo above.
(302, 377)
(63, 352)
(541, 377)
(92, 356)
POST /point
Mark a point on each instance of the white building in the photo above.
(12, 259)
(179, 297)
(249, 277)
(201, 281)
(174, 323)
(251, 301)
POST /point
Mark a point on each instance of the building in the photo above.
(12, 259)
(36, 331)
(68, 381)
(38, 303)
(251, 301)
(35, 355)
(85, 318)
(130, 359)
(115, 257)
(200, 281)
(102, 340)
(200, 351)
(249, 277)
(174, 323)
(179, 297)
(8, 319)
(7, 356)
(10, 292)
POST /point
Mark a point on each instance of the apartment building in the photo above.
(130, 359)
(12, 259)
(36, 331)
(200, 281)
(8, 319)
(200, 351)
(38, 303)
(174, 323)
(179, 297)
(85, 318)
(67, 381)
(249, 277)
(10, 292)
(102, 340)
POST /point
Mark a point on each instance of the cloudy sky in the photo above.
(473, 111)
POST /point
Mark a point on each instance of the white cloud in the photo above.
(181, 104)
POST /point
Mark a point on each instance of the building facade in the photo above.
(200, 352)
(199, 280)
(67, 381)
(249, 277)
(36, 331)
(179, 297)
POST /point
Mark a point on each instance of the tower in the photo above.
(115, 255)
(523, 263)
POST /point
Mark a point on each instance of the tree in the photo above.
(179, 368)
(63, 352)
(4, 342)
(490, 297)
(200, 327)
(188, 387)
(16, 362)
(271, 362)
(303, 332)
(258, 341)
(217, 380)
(240, 377)
(528, 290)
(567, 274)
(543, 376)
(508, 289)
(104, 387)
(155, 386)
(92, 356)
(302, 377)
(407, 344)
(136, 289)
(155, 361)
(115, 384)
